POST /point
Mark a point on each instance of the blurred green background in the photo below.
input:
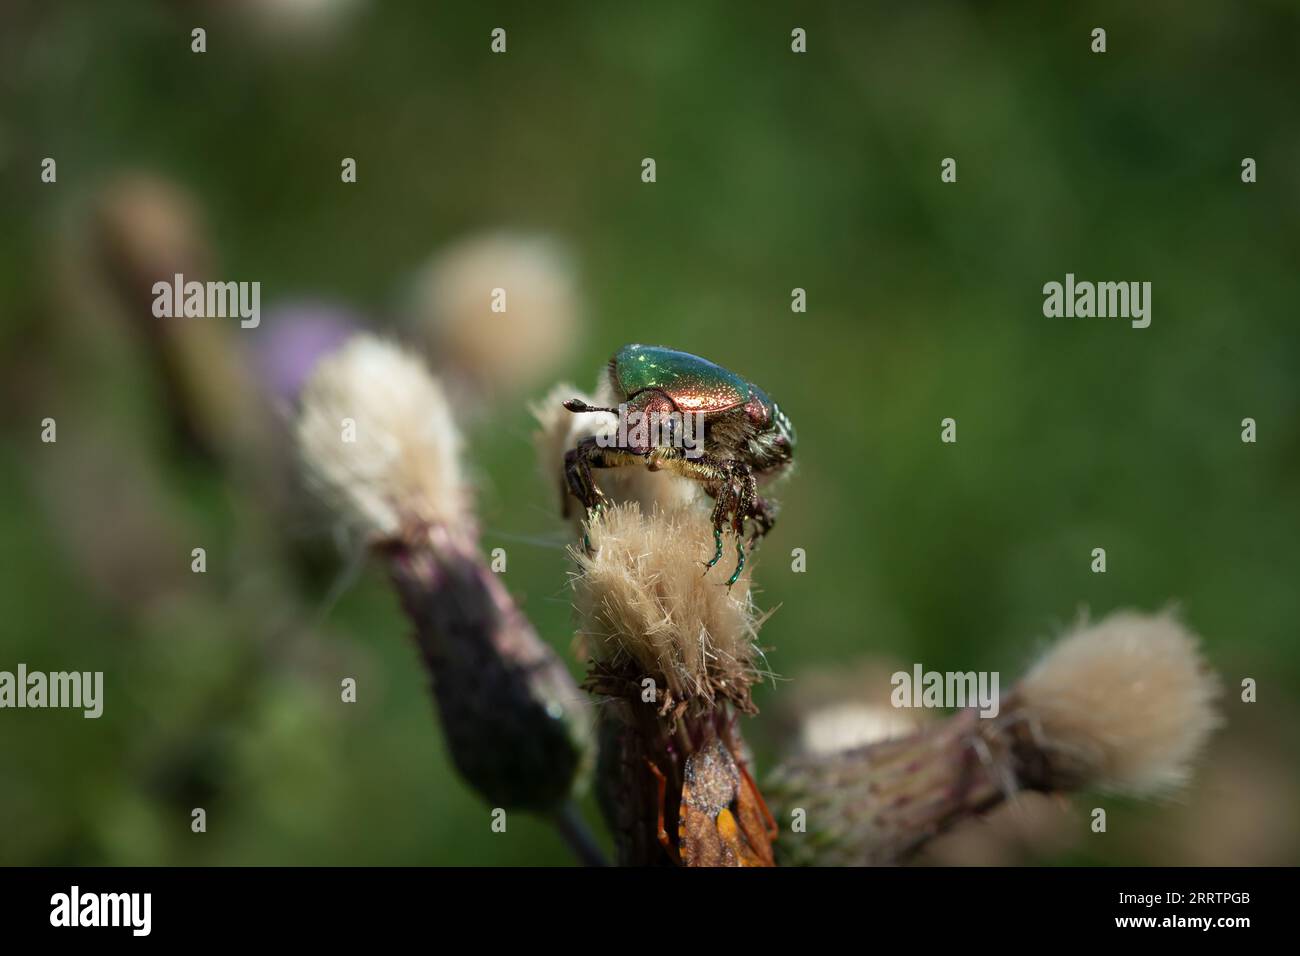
(774, 171)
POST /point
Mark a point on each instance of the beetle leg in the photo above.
(738, 529)
(717, 550)
(578, 465)
(756, 508)
(728, 492)
(744, 507)
(719, 518)
(730, 483)
(740, 561)
(580, 484)
(578, 477)
(735, 492)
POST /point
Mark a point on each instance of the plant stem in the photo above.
(575, 832)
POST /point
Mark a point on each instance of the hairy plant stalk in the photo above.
(514, 719)
(641, 771)
(879, 803)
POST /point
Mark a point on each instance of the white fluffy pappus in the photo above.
(378, 441)
(1129, 701)
(646, 607)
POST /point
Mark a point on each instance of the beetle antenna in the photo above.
(577, 405)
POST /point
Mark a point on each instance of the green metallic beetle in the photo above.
(746, 436)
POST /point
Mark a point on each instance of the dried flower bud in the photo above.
(1123, 705)
(1126, 704)
(647, 608)
(145, 229)
(142, 229)
(291, 24)
(496, 312)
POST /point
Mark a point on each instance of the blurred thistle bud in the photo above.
(673, 655)
(824, 711)
(379, 444)
(147, 228)
(1124, 705)
(497, 313)
(301, 24)
(294, 337)
(143, 230)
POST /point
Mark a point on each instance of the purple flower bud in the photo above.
(295, 336)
